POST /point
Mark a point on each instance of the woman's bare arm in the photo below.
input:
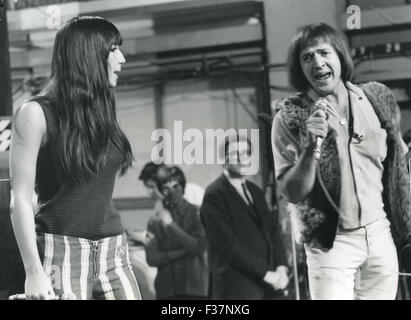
(29, 131)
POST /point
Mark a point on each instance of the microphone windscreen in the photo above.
(320, 104)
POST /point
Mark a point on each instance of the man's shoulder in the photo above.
(373, 87)
(297, 99)
(292, 110)
(253, 185)
(383, 100)
(368, 84)
(255, 190)
(215, 184)
(218, 186)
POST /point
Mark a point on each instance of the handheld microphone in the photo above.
(321, 104)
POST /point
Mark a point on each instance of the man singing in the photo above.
(351, 191)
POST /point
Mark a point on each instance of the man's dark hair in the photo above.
(172, 174)
(149, 171)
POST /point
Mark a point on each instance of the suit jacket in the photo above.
(241, 250)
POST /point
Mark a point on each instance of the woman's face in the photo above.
(114, 62)
(321, 67)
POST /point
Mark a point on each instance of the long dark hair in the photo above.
(82, 100)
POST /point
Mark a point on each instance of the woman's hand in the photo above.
(38, 287)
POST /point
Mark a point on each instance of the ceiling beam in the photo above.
(384, 69)
(45, 38)
(156, 44)
(36, 18)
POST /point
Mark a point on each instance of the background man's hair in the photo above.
(149, 171)
(173, 173)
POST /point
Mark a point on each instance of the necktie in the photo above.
(253, 211)
(250, 203)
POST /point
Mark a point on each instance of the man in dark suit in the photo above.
(246, 252)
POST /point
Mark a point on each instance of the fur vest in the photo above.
(318, 217)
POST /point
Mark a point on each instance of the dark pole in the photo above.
(265, 106)
(6, 108)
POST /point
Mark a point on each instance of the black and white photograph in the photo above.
(205, 154)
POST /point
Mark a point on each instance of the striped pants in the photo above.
(83, 269)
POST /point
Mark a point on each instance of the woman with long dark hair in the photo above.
(67, 147)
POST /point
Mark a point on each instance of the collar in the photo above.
(352, 90)
(356, 90)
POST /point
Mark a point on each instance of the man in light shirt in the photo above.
(351, 190)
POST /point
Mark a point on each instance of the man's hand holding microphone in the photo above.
(317, 127)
